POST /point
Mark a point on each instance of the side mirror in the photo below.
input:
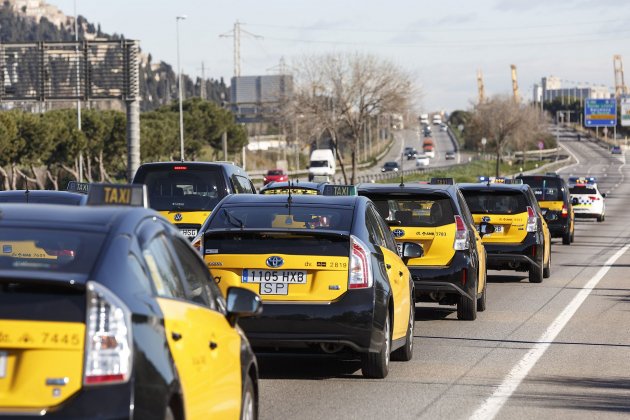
(242, 303)
(604, 195)
(485, 228)
(550, 217)
(574, 201)
(411, 250)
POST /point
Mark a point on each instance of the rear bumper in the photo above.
(558, 229)
(588, 214)
(351, 320)
(518, 257)
(455, 279)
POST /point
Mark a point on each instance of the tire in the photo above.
(536, 274)
(600, 218)
(566, 238)
(405, 353)
(168, 414)
(547, 270)
(467, 308)
(481, 301)
(376, 365)
(248, 404)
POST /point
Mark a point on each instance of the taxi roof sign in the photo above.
(339, 190)
(133, 195)
(442, 181)
(78, 187)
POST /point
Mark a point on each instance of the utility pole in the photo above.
(236, 34)
(203, 92)
(179, 84)
(76, 40)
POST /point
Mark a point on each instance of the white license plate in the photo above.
(273, 276)
(3, 364)
(274, 288)
(189, 233)
(497, 229)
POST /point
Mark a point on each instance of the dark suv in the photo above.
(552, 193)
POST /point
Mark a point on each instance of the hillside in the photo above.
(35, 20)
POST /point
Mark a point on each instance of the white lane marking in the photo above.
(577, 160)
(490, 408)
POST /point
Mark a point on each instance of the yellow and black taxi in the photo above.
(516, 233)
(120, 319)
(327, 270)
(452, 270)
(552, 193)
(186, 192)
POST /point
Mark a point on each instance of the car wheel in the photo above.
(536, 274)
(481, 301)
(467, 308)
(547, 270)
(566, 238)
(376, 365)
(600, 218)
(248, 403)
(405, 353)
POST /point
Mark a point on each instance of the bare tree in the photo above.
(504, 123)
(344, 91)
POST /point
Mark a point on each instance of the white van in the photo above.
(322, 165)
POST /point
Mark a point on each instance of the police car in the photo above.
(452, 270)
(327, 270)
(115, 316)
(518, 237)
(587, 201)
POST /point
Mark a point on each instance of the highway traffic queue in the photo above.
(112, 309)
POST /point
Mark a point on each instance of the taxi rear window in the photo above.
(283, 217)
(417, 210)
(59, 251)
(496, 202)
(294, 243)
(545, 189)
(183, 189)
(583, 190)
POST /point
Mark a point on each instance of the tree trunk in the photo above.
(497, 164)
(13, 176)
(26, 177)
(101, 167)
(88, 171)
(5, 179)
(71, 171)
(340, 158)
(53, 179)
(41, 183)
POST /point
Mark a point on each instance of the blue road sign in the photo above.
(600, 112)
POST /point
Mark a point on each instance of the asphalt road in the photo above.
(557, 349)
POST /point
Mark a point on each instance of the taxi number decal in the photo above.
(273, 276)
(335, 264)
(431, 233)
(44, 338)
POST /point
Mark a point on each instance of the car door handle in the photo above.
(388, 266)
(400, 273)
(176, 336)
(213, 345)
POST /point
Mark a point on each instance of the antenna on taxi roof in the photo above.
(402, 180)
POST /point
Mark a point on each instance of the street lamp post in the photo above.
(179, 88)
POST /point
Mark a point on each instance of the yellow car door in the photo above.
(205, 348)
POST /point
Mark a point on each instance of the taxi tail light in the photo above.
(108, 341)
(532, 220)
(360, 273)
(565, 212)
(461, 235)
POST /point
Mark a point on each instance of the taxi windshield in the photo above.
(416, 211)
(283, 217)
(184, 190)
(53, 250)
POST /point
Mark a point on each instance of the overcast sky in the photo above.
(441, 43)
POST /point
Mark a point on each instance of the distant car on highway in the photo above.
(616, 150)
(449, 155)
(422, 160)
(390, 167)
(275, 175)
(410, 152)
(427, 131)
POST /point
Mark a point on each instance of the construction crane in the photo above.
(480, 87)
(620, 87)
(517, 97)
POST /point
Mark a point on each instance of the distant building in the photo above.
(253, 98)
(551, 87)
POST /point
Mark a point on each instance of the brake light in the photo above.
(461, 235)
(180, 168)
(360, 274)
(532, 220)
(565, 212)
(108, 342)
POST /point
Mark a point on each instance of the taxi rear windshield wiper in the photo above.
(233, 220)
